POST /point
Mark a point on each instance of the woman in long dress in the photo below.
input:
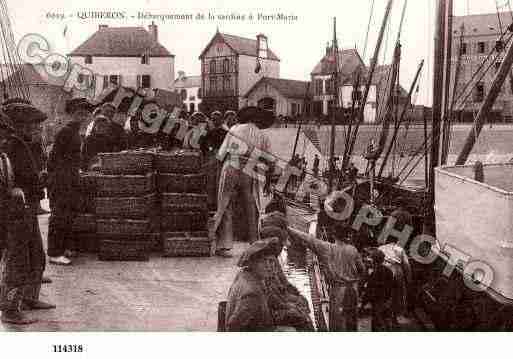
(238, 183)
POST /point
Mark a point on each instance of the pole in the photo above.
(335, 107)
(495, 89)
(438, 95)
(447, 108)
(401, 118)
(373, 65)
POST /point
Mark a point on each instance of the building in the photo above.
(230, 66)
(46, 93)
(350, 64)
(481, 34)
(124, 56)
(284, 97)
(189, 89)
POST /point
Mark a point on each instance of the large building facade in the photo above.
(188, 87)
(124, 56)
(230, 66)
(481, 34)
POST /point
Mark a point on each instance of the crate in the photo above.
(116, 250)
(184, 221)
(125, 185)
(84, 223)
(187, 244)
(181, 183)
(125, 226)
(126, 162)
(126, 207)
(172, 202)
(179, 161)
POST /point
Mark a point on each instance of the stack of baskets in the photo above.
(84, 223)
(125, 206)
(184, 212)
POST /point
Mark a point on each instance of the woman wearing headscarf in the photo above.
(245, 143)
(397, 261)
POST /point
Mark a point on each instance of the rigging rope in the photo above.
(366, 42)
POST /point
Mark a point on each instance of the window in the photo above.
(199, 92)
(88, 59)
(213, 66)
(115, 80)
(356, 95)
(105, 81)
(318, 87)
(145, 59)
(212, 85)
(226, 65)
(146, 81)
(183, 94)
(479, 92)
(463, 49)
(481, 47)
(294, 109)
(227, 84)
(192, 107)
(499, 45)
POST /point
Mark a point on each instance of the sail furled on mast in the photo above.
(13, 83)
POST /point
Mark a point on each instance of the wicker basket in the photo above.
(126, 207)
(180, 161)
(173, 202)
(124, 226)
(126, 162)
(125, 185)
(84, 223)
(112, 250)
(187, 244)
(88, 182)
(180, 183)
(184, 221)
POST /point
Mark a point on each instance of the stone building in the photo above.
(230, 66)
(481, 34)
(124, 56)
(284, 97)
(188, 87)
(46, 93)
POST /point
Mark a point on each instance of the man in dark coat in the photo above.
(23, 258)
(64, 188)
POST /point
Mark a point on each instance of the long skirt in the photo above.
(344, 308)
(235, 186)
(399, 291)
(23, 262)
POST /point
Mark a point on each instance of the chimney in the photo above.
(102, 27)
(262, 46)
(328, 48)
(154, 31)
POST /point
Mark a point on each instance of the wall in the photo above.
(369, 116)
(283, 104)
(161, 70)
(248, 77)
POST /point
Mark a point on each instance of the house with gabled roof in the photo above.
(230, 66)
(282, 96)
(125, 56)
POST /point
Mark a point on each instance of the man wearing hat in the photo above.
(345, 269)
(210, 144)
(24, 257)
(63, 186)
(236, 181)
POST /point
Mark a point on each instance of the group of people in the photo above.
(261, 298)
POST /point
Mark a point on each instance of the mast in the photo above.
(335, 107)
(438, 95)
(495, 89)
(447, 108)
(374, 62)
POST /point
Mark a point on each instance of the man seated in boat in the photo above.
(344, 270)
(254, 301)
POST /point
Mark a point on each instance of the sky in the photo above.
(300, 43)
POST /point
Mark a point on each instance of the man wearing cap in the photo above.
(345, 269)
(245, 144)
(63, 186)
(230, 119)
(24, 257)
(210, 144)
